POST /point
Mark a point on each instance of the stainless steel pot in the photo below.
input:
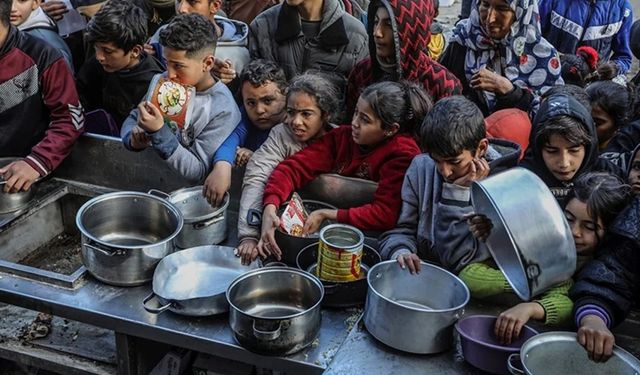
(125, 235)
(413, 313)
(275, 310)
(558, 353)
(340, 191)
(203, 224)
(10, 202)
(194, 281)
(530, 240)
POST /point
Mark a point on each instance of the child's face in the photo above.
(264, 104)
(206, 8)
(584, 230)
(562, 158)
(114, 59)
(366, 127)
(189, 71)
(453, 168)
(605, 125)
(304, 117)
(383, 33)
(634, 174)
(21, 10)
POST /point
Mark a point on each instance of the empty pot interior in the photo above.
(193, 205)
(481, 329)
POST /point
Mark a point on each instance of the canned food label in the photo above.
(336, 264)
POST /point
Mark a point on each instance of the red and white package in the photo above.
(294, 216)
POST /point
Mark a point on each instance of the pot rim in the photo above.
(187, 192)
(371, 289)
(124, 194)
(486, 344)
(264, 270)
(308, 247)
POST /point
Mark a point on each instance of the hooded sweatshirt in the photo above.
(41, 26)
(411, 23)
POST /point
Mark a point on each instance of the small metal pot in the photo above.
(275, 310)
(558, 353)
(125, 235)
(203, 224)
(414, 313)
(10, 202)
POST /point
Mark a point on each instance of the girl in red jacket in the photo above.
(378, 146)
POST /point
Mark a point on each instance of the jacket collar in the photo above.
(289, 27)
(10, 42)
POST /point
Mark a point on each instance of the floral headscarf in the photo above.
(530, 62)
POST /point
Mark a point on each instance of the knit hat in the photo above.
(634, 40)
(510, 124)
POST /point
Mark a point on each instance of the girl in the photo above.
(596, 200)
(611, 107)
(378, 146)
(311, 103)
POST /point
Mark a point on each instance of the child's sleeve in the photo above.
(484, 281)
(557, 304)
(622, 55)
(125, 132)
(227, 151)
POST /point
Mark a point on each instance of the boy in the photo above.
(436, 189)
(117, 76)
(263, 87)
(27, 16)
(40, 114)
(189, 45)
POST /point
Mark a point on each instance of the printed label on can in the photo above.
(340, 263)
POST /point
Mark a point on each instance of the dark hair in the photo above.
(453, 125)
(190, 32)
(577, 69)
(5, 12)
(259, 72)
(577, 92)
(320, 88)
(604, 194)
(570, 128)
(616, 100)
(119, 22)
(405, 103)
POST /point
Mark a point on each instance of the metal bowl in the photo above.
(10, 202)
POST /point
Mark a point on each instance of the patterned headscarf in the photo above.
(530, 62)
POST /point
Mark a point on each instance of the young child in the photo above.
(595, 201)
(611, 107)
(436, 190)
(189, 45)
(312, 101)
(116, 78)
(263, 87)
(27, 16)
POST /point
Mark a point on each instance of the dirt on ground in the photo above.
(61, 255)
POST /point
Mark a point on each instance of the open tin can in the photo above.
(340, 253)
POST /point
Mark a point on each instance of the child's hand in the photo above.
(487, 80)
(224, 70)
(18, 176)
(479, 225)
(55, 9)
(217, 183)
(242, 156)
(247, 250)
(478, 169)
(150, 118)
(316, 218)
(596, 338)
(139, 139)
(148, 48)
(412, 261)
(267, 244)
(509, 323)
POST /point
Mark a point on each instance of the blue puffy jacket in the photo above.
(602, 24)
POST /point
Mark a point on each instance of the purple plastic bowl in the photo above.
(481, 347)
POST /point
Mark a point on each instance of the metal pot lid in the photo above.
(194, 206)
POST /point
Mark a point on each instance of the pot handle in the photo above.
(514, 358)
(267, 335)
(254, 218)
(208, 223)
(154, 310)
(105, 252)
(159, 194)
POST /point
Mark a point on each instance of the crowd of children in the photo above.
(289, 90)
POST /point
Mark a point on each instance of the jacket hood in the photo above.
(554, 106)
(332, 29)
(38, 19)
(233, 32)
(502, 155)
(630, 161)
(411, 23)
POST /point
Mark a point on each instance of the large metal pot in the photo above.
(10, 202)
(203, 224)
(340, 191)
(558, 353)
(413, 313)
(275, 310)
(125, 235)
(530, 240)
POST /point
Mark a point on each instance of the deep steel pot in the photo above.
(10, 202)
(275, 310)
(203, 224)
(125, 235)
(413, 313)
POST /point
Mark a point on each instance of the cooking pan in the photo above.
(11, 202)
(193, 281)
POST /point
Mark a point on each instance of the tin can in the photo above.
(340, 253)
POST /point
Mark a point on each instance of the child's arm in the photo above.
(484, 281)
(557, 304)
(620, 44)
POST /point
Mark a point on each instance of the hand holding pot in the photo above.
(412, 261)
(247, 250)
(479, 225)
(596, 338)
(510, 323)
(267, 244)
(18, 176)
(217, 183)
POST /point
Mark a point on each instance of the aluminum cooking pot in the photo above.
(558, 353)
(340, 191)
(194, 281)
(10, 202)
(203, 224)
(275, 310)
(530, 240)
(414, 313)
(125, 234)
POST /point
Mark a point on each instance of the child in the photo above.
(263, 88)
(116, 78)
(633, 172)
(40, 114)
(312, 102)
(436, 189)
(189, 45)
(27, 16)
(611, 107)
(595, 201)
(378, 146)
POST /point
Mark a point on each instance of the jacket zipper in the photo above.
(592, 3)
